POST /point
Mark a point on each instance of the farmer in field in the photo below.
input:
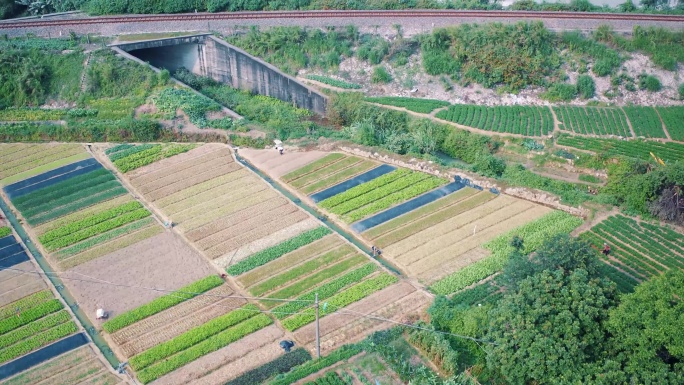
(606, 249)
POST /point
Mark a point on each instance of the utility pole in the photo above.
(318, 331)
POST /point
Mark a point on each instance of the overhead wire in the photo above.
(338, 311)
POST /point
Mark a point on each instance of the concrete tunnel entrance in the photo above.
(207, 55)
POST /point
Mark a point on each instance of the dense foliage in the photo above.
(513, 56)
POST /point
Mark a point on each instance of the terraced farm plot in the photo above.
(670, 151)
(221, 207)
(639, 250)
(645, 121)
(379, 194)
(672, 118)
(522, 120)
(79, 366)
(127, 157)
(423, 106)
(593, 120)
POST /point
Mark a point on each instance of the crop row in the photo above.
(340, 300)
(330, 378)
(645, 121)
(334, 82)
(27, 302)
(81, 201)
(5, 231)
(633, 148)
(130, 162)
(34, 327)
(625, 283)
(147, 155)
(326, 290)
(523, 120)
(207, 346)
(324, 172)
(38, 340)
(363, 188)
(593, 120)
(119, 147)
(102, 238)
(623, 264)
(313, 166)
(63, 188)
(26, 316)
(342, 175)
(393, 198)
(423, 106)
(91, 221)
(162, 303)
(305, 284)
(673, 118)
(643, 267)
(41, 165)
(192, 337)
(660, 250)
(379, 192)
(282, 364)
(533, 234)
(311, 367)
(267, 255)
(120, 154)
(475, 294)
(301, 270)
(33, 211)
(96, 229)
(31, 114)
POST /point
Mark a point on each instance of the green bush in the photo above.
(282, 364)
(274, 252)
(560, 92)
(649, 82)
(586, 86)
(162, 303)
(380, 75)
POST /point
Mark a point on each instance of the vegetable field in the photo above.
(593, 120)
(522, 120)
(218, 205)
(128, 157)
(639, 250)
(334, 82)
(423, 106)
(645, 121)
(32, 322)
(379, 194)
(670, 151)
(672, 118)
(20, 161)
(73, 367)
(326, 172)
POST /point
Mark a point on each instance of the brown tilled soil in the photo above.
(229, 362)
(276, 165)
(176, 159)
(162, 262)
(15, 285)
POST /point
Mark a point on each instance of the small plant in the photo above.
(585, 86)
(681, 91)
(649, 83)
(380, 75)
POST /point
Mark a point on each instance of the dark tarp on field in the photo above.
(51, 177)
(13, 260)
(353, 182)
(406, 207)
(32, 359)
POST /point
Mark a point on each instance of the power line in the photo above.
(338, 311)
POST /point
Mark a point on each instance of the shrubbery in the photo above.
(649, 83)
(586, 87)
(380, 75)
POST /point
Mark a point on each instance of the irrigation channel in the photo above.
(61, 289)
(333, 226)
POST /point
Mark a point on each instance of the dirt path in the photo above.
(629, 123)
(598, 218)
(667, 134)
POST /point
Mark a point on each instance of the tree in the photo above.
(648, 328)
(552, 329)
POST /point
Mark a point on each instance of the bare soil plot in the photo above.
(154, 262)
(331, 324)
(230, 361)
(276, 165)
(15, 285)
(79, 366)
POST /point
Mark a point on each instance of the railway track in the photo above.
(32, 23)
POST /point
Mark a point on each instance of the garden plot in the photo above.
(593, 120)
(220, 207)
(639, 250)
(152, 262)
(79, 366)
(672, 118)
(128, 157)
(80, 212)
(16, 281)
(315, 262)
(444, 236)
(276, 165)
(522, 120)
(20, 161)
(641, 149)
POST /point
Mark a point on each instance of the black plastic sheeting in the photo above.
(407, 206)
(11, 250)
(51, 177)
(6, 241)
(32, 359)
(353, 182)
(13, 260)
